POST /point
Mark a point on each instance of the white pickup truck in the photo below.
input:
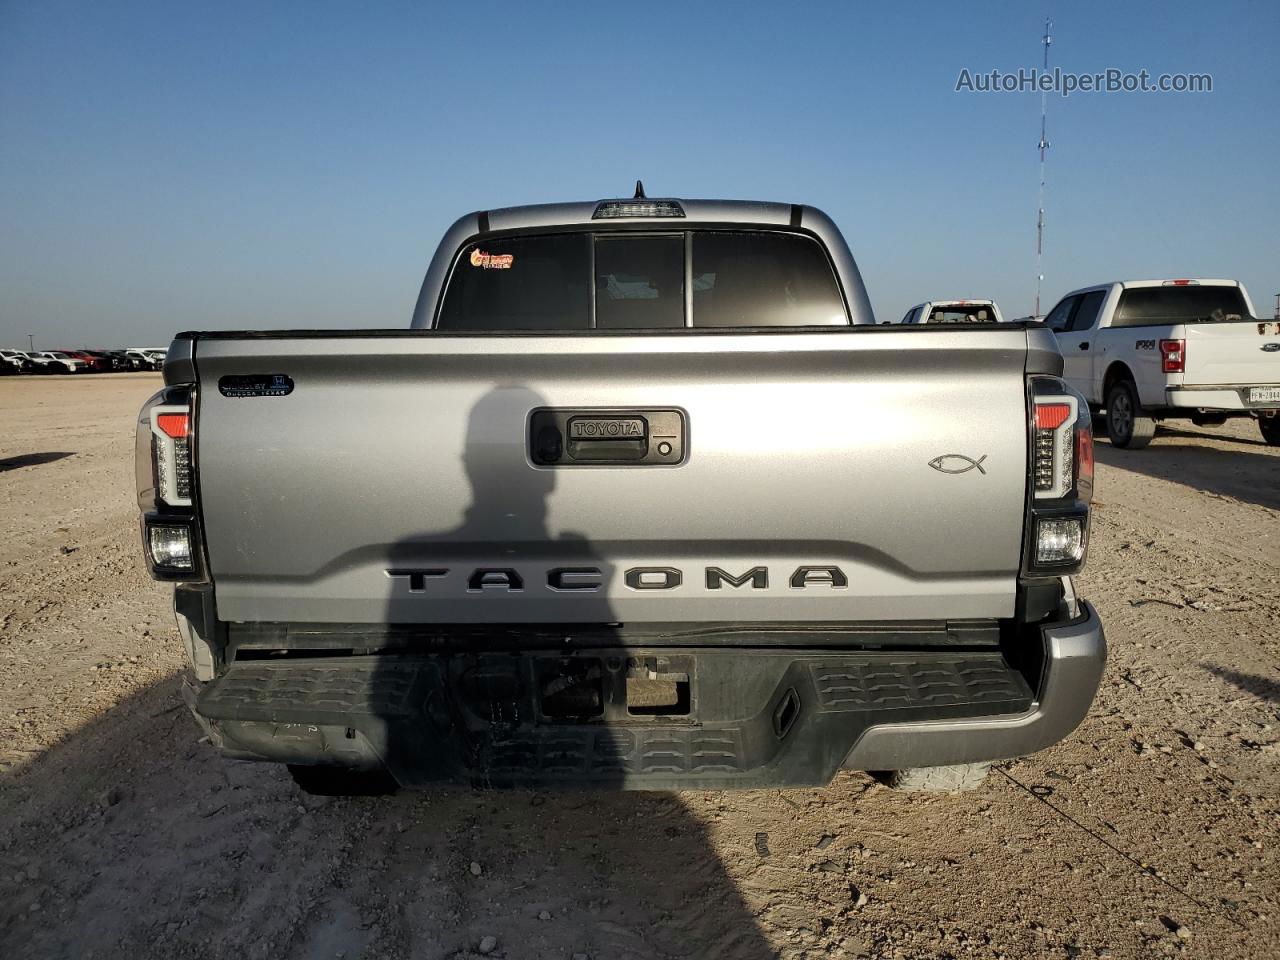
(1155, 350)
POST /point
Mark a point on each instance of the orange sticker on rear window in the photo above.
(492, 261)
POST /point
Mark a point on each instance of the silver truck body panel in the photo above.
(410, 453)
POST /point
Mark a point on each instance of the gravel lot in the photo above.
(1152, 831)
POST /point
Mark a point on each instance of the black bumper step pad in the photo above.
(755, 717)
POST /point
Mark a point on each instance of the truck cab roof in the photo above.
(1132, 284)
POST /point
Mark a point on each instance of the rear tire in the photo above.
(957, 778)
(1270, 427)
(342, 781)
(1127, 426)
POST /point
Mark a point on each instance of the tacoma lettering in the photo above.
(653, 578)
(483, 578)
(416, 579)
(590, 579)
(759, 577)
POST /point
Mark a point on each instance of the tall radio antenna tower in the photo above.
(1044, 145)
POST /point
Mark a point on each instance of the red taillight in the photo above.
(1061, 479)
(1173, 356)
(1052, 446)
(171, 453)
(173, 424)
(1050, 416)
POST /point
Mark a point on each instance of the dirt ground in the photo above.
(1152, 831)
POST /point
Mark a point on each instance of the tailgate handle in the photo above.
(566, 438)
(608, 438)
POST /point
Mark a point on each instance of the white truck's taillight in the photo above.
(171, 446)
(1173, 356)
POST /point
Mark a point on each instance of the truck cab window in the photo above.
(545, 282)
(763, 280)
(1146, 306)
(639, 282)
(1059, 317)
(520, 283)
(1087, 313)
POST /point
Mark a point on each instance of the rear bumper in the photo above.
(750, 717)
(1234, 398)
(1074, 656)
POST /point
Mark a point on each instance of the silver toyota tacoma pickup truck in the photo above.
(644, 499)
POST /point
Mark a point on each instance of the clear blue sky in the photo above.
(169, 165)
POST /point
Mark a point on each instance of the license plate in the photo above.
(1264, 394)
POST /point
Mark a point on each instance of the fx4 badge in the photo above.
(957, 463)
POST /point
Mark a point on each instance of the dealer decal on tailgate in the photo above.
(255, 385)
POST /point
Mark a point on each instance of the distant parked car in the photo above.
(15, 361)
(144, 358)
(59, 361)
(92, 363)
(111, 359)
(954, 311)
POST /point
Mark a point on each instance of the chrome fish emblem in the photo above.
(957, 463)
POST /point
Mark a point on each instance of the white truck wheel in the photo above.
(1127, 426)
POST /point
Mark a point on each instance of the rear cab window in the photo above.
(520, 283)
(1149, 306)
(962, 313)
(692, 279)
(763, 280)
(639, 282)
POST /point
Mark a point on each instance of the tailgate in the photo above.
(395, 483)
(1232, 353)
